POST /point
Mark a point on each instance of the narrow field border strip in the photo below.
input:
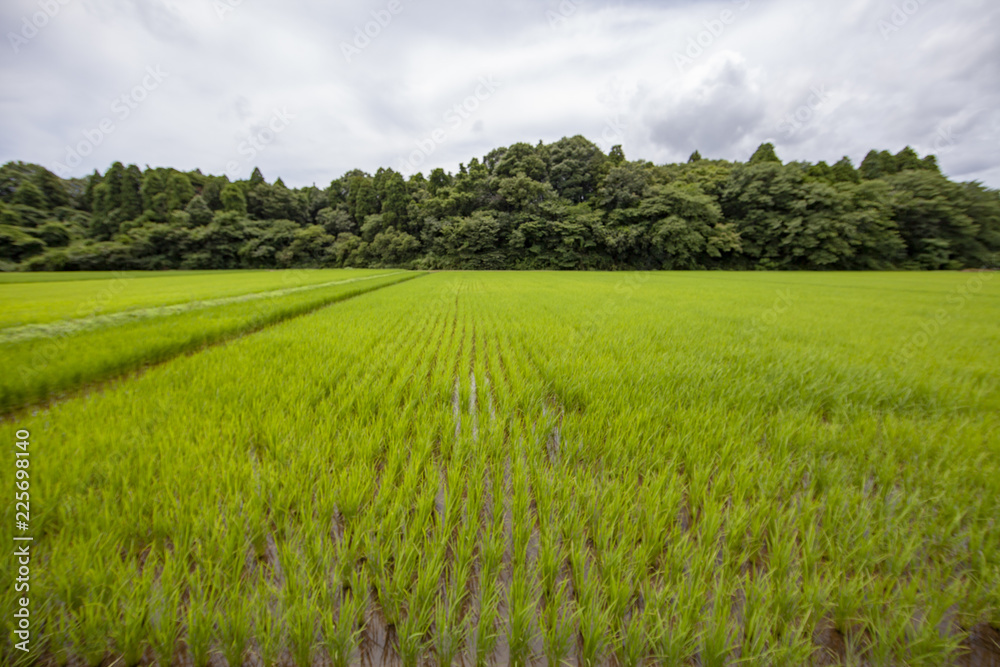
(27, 332)
(41, 277)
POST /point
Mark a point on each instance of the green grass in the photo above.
(40, 367)
(74, 276)
(678, 467)
(36, 298)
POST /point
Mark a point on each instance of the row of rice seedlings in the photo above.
(75, 294)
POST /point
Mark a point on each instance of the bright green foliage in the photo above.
(563, 205)
(198, 211)
(108, 337)
(575, 168)
(179, 191)
(233, 199)
(764, 153)
(40, 298)
(29, 194)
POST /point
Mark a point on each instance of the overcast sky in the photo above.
(308, 89)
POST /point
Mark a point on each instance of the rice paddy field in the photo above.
(127, 322)
(507, 468)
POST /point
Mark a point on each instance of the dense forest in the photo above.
(564, 205)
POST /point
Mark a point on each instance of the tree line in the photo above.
(563, 205)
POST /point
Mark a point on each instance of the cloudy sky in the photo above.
(308, 89)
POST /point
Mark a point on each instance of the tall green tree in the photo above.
(233, 200)
(179, 191)
(575, 168)
(198, 211)
(764, 153)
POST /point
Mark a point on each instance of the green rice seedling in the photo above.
(491, 555)
(793, 643)
(486, 633)
(454, 500)
(520, 617)
(618, 582)
(358, 587)
(662, 500)
(199, 619)
(411, 638)
(558, 625)
(165, 627)
(427, 583)
(928, 639)
(268, 628)
(816, 602)
(59, 636)
(341, 637)
(716, 639)
(349, 552)
(631, 647)
(758, 625)
(475, 494)
(463, 562)
(69, 588)
(583, 580)
(594, 633)
(89, 632)
(736, 526)
(498, 493)
(848, 599)
(786, 601)
(131, 635)
(888, 626)
(233, 625)
(301, 616)
(391, 567)
(549, 564)
(675, 630)
(450, 629)
(353, 491)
